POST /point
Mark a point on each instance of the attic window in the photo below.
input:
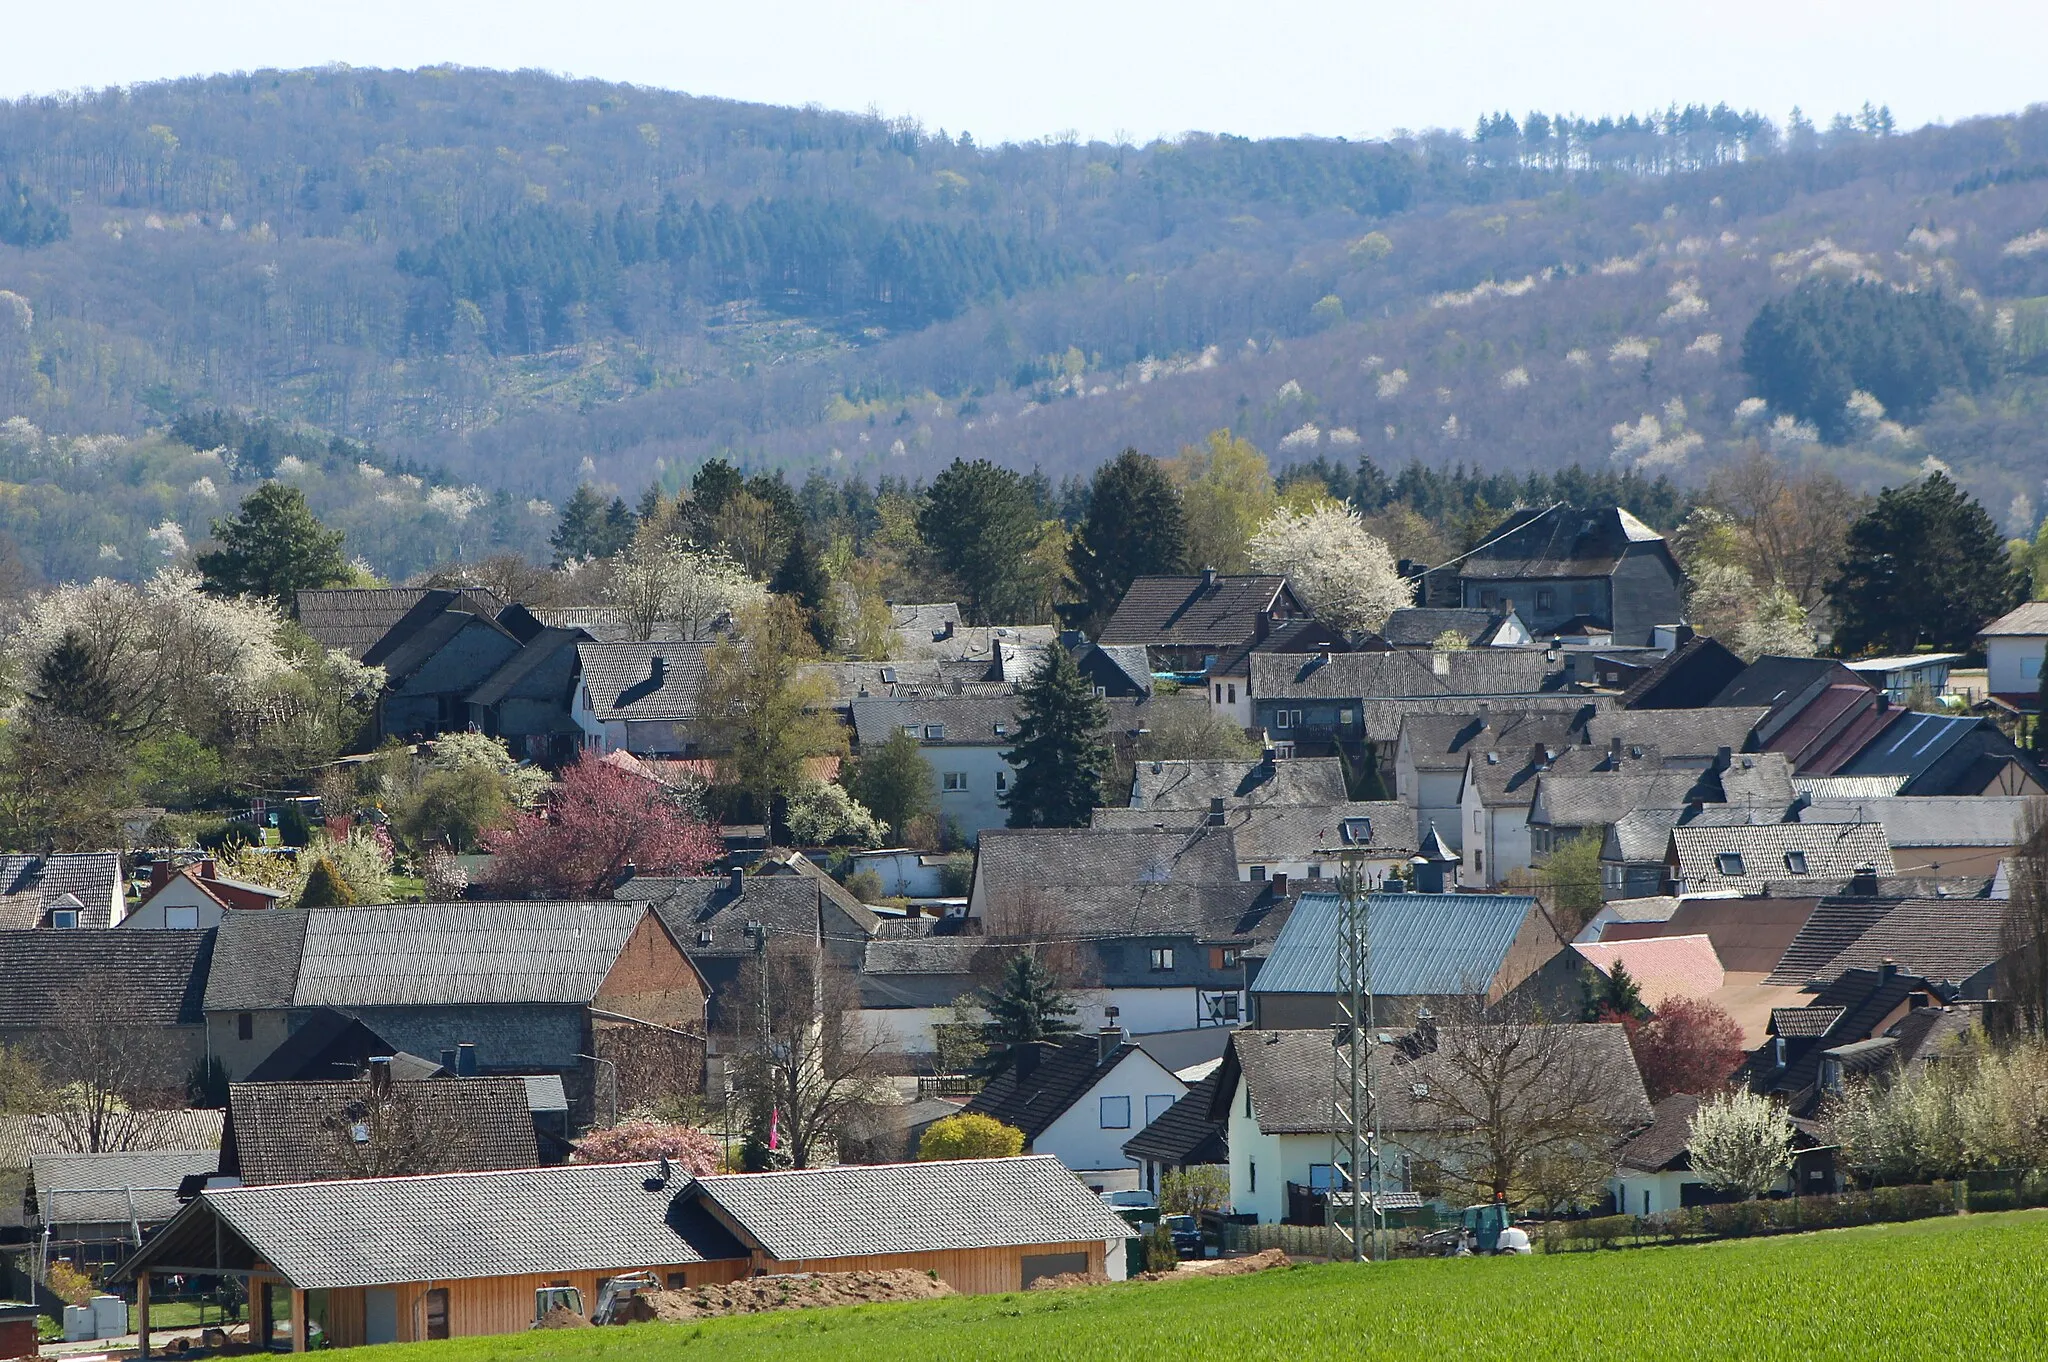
(888, 676)
(704, 938)
(360, 1132)
(910, 730)
(935, 732)
(1357, 832)
(1001, 729)
(1493, 758)
(1729, 863)
(1795, 861)
(64, 917)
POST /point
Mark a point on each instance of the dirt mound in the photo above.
(559, 1318)
(1067, 1279)
(795, 1291)
(1263, 1261)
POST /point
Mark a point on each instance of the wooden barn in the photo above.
(385, 1260)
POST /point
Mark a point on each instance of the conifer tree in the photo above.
(802, 578)
(590, 528)
(1060, 756)
(274, 546)
(1926, 564)
(72, 680)
(325, 887)
(1028, 1005)
(1134, 528)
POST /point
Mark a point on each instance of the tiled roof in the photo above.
(906, 678)
(1190, 785)
(1185, 1133)
(660, 681)
(110, 1189)
(1404, 673)
(1775, 680)
(855, 1211)
(1679, 733)
(1289, 832)
(353, 619)
(1289, 1074)
(1031, 1100)
(1441, 742)
(1933, 820)
(940, 720)
(1420, 626)
(1833, 927)
(1426, 945)
(419, 955)
(1691, 675)
(297, 1132)
(1602, 798)
(1809, 1022)
(709, 919)
(31, 885)
(158, 976)
(534, 653)
(1665, 1142)
(456, 1226)
(1182, 612)
(1562, 541)
(1665, 967)
(1130, 660)
(23, 1137)
(1298, 635)
(1012, 861)
(1866, 998)
(1772, 851)
(2029, 620)
(1945, 941)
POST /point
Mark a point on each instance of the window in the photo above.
(1258, 873)
(1101, 693)
(245, 1026)
(1247, 1101)
(63, 917)
(678, 1280)
(888, 676)
(1357, 832)
(1233, 693)
(1002, 729)
(1488, 599)
(1546, 600)
(1729, 863)
(1115, 1112)
(1253, 1167)
(1219, 692)
(181, 917)
(1795, 861)
(935, 732)
(1322, 1177)
(1002, 781)
(910, 730)
(1280, 719)
(1297, 718)
(1347, 717)
(1478, 862)
(1283, 751)
(1223, 1007)
(955, 781)
(1315, 870)
(1162, 958)
(1156, 1104)
(437, 1312)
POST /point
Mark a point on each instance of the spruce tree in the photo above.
(73, 680)
(981, 523)
(581, 527)
(1027, 1006)
(1134, 528)
(1925, 564)
(325, 888)
(1060, 756)
(274, 546)
(802, 578)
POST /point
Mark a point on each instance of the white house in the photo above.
(196, 895)
(1082, 1099)
(2014, 645)
(637, 697)
(964, 738)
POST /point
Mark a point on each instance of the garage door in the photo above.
(1038, 1265)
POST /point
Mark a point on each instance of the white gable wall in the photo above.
(1080, 1140)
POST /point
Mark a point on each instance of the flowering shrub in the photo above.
(687, 1147)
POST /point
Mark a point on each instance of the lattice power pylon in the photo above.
(1353, 1196)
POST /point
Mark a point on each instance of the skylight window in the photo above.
(1795, 861)
(935, 732)
(1357, 832)
(1730, 863)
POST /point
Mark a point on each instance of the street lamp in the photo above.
(596, 1059)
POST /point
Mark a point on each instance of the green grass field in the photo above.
(1970, 1287)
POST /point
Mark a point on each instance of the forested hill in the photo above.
(485, 288)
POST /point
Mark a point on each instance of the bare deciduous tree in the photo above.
(112, 1083)
(2023, 981)
(390, 1130)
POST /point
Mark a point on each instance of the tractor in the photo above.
(1487, 1228)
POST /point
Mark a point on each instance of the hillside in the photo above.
(1847, 1294)
(509, 283)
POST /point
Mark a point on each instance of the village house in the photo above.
(24, 1139)
(1741, 858)
(95, 1209)
(964, 738)
(1426, 627)
(1656, 1173)
(533, 987)
(1431, 752)
(2014, 645)
(1080, 1099)
(1315, 705)
(195, 895)
(60, 889)
(109, 984)
(1187, 624)
(1596, 573)
(638, 697)
(1194, 786)
(454, 1255)
(1298, 842)
(1184, 1136)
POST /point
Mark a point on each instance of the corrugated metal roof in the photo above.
(1423, 945)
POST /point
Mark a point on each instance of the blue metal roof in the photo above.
(1911, 745)
(1422, 944)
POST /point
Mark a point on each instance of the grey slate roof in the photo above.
(30, 886)
(1680, 733)
(906, 678)
(709, 919)
(861, 1210)
(1289, 1075)
(354, 619)
(285, 1132)
(2028, 620)
(1562, 541)
(1062, 1075)
(656, 681)
(1190, 785)
(1176, 611)
(1933, 820)
(1426, 945)
(24, 1137)
(1833, 927)
(1597, 800)
(960, 720)
(419, 955)
(109, 1189)
(453, 1226)
(1012, 862)
(159, 976)
(532, 655)
(1291, 832)
(1665, 1143)
(1420, 626)
(1945, 941)
(1770, 852)
(1185, 1132)
(1404, 672)
(1441, 742)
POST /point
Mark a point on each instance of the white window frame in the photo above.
(1105, 1107)
(954, 782)
(1162, 959)
(182, 916)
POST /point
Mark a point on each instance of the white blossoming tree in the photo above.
(669, 582)
(1343, 573)
(1741, 1142)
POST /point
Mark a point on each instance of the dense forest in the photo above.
(440, 300)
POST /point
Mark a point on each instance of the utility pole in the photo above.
(1354, 1104)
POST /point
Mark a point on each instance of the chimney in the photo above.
(465, 1060)
(1724, 757)
(1440, 663)
(946, 632)
(1614, 752)
(1269, 755)
(739, 880)
(1109, 1037)
(380, 1075)
(913, 910)
(448, 1060)
(625, 876)
(1864, 882)
(1280, 885)
(657, 668)
(207, 869)
(1216, 811)
(1208, 578)
(1024, 1058)
(1887, 969)
(159, 873)
(1539, 755)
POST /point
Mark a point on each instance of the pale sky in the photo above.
(1142, 68)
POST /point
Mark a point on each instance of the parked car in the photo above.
(1187, 1235)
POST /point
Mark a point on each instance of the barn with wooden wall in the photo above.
(452, 1255)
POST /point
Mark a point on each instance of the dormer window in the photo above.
(64, 917)
(1357, 831)
(935, 732)
(1729, 863)
(888, 676)
(1002, 729)
(1795, 861)
(910, 730)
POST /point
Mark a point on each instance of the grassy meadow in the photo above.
(1970, 1287)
